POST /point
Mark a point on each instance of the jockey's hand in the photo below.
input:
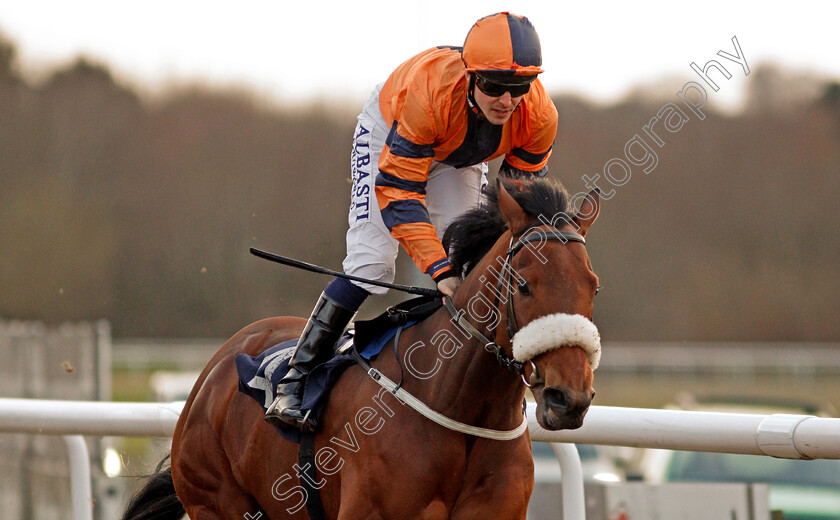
(448, 286)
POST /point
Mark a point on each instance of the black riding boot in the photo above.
(314, 347)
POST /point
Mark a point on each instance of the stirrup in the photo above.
(272, 413)
(272, 410)
(347, 345)
(306, 424)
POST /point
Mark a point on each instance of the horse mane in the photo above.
(470, 236)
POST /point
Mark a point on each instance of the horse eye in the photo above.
(524, 288)
(597, 290)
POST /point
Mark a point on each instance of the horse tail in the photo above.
(156, 500)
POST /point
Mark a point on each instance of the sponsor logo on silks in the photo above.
(360, 166)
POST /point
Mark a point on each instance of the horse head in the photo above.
(557, 341)
(544, 292)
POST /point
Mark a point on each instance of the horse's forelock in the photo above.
(542, 197)
(470, 236)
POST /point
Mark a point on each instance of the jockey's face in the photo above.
(498, 109)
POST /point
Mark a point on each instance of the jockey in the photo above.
(419, 159)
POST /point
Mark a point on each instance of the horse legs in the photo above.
(504, 493)
(361, 507)
(425, 489)
(224, 502)
(508, 501)
(493, 503)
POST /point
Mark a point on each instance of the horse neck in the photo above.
(469, 385)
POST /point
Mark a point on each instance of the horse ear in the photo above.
(512, 213)
(588, 211)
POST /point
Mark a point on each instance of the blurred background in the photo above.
(144, 151)
(144, 148)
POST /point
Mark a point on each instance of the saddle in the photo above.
(259, 375)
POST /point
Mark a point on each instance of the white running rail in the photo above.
(777, 435)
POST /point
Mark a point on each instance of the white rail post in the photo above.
(571, 480)
(80, 490)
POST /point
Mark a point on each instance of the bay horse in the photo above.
(525, 263)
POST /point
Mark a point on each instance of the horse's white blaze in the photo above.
(554, 331)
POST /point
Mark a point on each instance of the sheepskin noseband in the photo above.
(554, 331)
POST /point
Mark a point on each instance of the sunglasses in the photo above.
(498, 89)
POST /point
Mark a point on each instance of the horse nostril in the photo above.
(556, 399)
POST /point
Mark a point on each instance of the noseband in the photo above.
(506, 279)
(489, 345)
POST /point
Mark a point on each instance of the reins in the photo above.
(506, 279)
(489, 345)
(458, 317)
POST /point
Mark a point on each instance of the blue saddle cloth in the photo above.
(258, 376)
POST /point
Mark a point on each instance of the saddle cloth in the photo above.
(258, 376)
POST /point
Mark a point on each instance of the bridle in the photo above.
(507, 275)
(506, 279)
